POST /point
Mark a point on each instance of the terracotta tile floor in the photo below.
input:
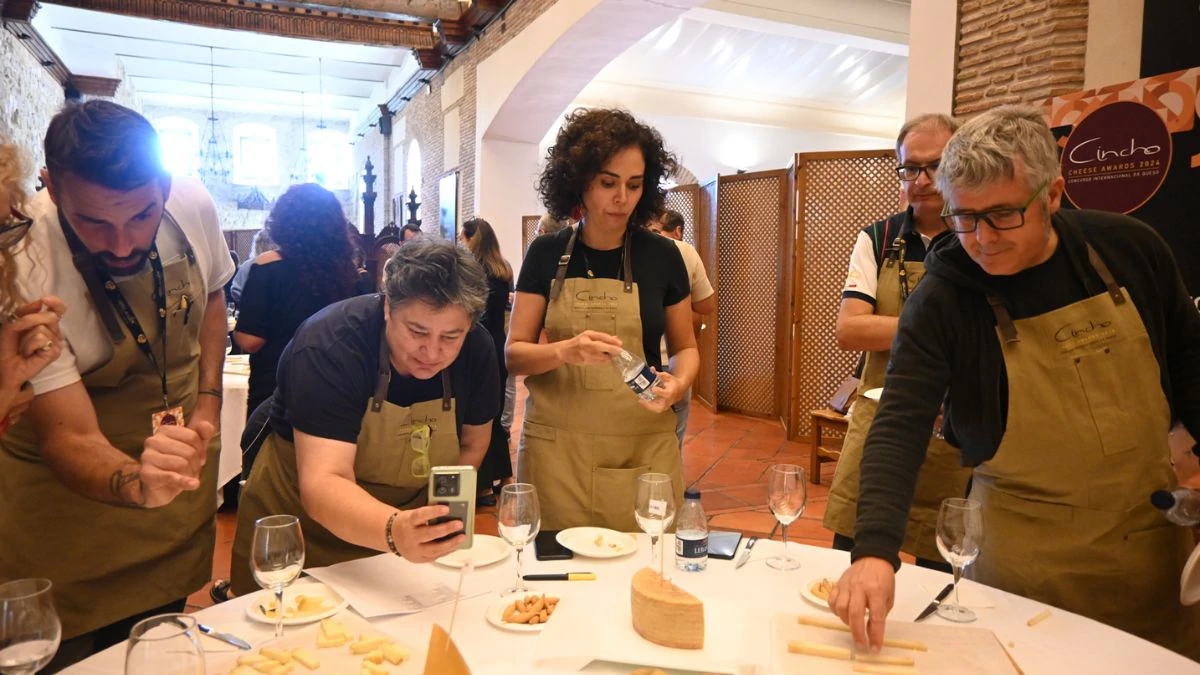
(724, 455)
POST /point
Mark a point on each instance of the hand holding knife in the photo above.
(934, 605)
(746, 553)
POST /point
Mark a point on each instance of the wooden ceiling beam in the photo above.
(269, 18)
(17, 17)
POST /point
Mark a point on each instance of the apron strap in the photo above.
(1004, 321)
(447, 390)
(85, 264)
(560, 274)
(627, 270)
(1110, 283)
(384, 375)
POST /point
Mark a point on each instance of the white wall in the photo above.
(510, 191)
(933, 32)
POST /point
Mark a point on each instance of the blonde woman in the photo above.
(29, 337)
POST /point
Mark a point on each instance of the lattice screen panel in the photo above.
(748, 222)
(683, 199)
(706, 239)
(528, 225)
(839, 196)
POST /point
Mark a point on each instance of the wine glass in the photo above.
(959, 537)
(228, 345)
(654, 511)
(787, 493)
(277, 556)
(166, 643)
(519, 517)
(29, 626)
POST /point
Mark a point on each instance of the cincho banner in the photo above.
(1135, 148)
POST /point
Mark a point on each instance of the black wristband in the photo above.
(211, 392)
(391, 541)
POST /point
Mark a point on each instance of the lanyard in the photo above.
(98, 279)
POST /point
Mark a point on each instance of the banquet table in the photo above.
(741, 600)
(235, 386)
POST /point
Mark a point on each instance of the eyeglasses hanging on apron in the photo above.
(101, 284)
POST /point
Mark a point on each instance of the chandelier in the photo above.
(215, 158)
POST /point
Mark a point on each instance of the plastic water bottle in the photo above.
(691, 534)
(635, 374)
(1181, 505)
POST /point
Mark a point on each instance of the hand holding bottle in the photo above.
(667, 389)
(589, 348)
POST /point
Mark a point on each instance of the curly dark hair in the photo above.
(588, 139)
(309, 226)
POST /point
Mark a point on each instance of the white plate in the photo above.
(874, 394)
(485, 550)
(807, 594)
(495, 615)
(1189, 583)
(333, 601)
(597, 542)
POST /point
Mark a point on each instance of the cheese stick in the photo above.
(885, 670)
(1038, 618)
(811, 649)
(838, 625)
(884, 660)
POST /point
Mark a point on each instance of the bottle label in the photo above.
(691, 548)
(642, 381)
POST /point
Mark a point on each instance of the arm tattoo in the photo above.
(120, 479)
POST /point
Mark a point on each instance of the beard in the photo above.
(127, 266)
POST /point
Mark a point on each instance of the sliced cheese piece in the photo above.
(367, 644)
(395, 654)
(276, 654)
(665, 614)
(306, 658)
(443, 656)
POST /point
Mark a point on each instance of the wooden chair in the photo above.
(824, 420)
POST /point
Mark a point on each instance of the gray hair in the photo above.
(548, 224)
(926, 121)
(438, 273)
(261, 243)
(987, 148)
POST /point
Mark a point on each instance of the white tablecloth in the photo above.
(233, 420)
(1065, 643)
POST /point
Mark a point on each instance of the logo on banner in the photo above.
(1116, 158)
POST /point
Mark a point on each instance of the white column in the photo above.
(933, 32)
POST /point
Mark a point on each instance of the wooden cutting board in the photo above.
(952, 650)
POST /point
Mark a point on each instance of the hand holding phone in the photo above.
(454, 486)
(546, 547)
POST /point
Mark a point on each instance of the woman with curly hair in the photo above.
(29, 335)
(312, 267)
(606, 284)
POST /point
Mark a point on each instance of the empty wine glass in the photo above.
(787, 493)
(959, 538)
(277, 557)
(519, 518)
(29, 626)
(164, 644)
(654, 511)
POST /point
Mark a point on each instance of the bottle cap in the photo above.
(691, 494)
(1162, 499)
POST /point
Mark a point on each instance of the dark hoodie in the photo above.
(946, 346)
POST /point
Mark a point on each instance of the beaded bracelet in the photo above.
(391, 541)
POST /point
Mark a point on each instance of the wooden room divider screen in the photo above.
(528, 223)
(697, 231)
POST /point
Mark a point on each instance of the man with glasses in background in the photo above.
(887, 263)
(1067, 344)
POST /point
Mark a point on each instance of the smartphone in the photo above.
(454, 486)
(546, 547)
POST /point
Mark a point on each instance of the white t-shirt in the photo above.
(701, 288)
(863, 277)
(44, 267)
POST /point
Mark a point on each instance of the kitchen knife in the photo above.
(746, 553)
(934, 605)
(223, 637)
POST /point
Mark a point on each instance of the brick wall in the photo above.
(1018, 51)
(424, 120)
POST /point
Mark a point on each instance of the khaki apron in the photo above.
(586, 439)
(386, 465)
(942, 474)
(1066, 509)
(111, 562)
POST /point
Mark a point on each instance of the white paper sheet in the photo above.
(383, 585)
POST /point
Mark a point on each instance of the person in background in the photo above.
(1063, 343)
(670, 225)
(409, 232)
(548, 224)
(260, 244)
(605, 284)
(373, 391)
(30, 338)
(886, 265)
(480, 239)
(108, 482)
(312, 267)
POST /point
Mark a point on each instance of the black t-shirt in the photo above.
(327, 375)
(274, 302)
(658, 270)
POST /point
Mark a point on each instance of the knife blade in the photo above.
(223, 637)
(746, 553)
(934, 605)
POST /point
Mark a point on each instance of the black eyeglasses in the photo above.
(14, 228)
(1008, 218)
(910, 172)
